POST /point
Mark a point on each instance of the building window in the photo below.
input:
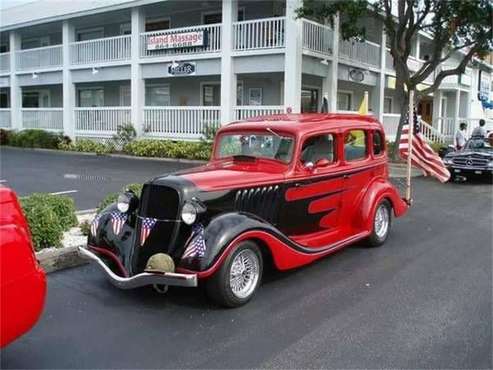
(4, 99)
(355, 145)
(125, 97)
(217, 17)
(255, 96)
(156, 24)
(125, 28)
(37, 42)
(211, 94)
(239, 93)
(344, 100)
(387, 104)
(90, 34)
(91, 97)
(36, 99)
(158, 95)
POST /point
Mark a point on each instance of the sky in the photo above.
(5, 4)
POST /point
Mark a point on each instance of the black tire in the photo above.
(218, 287)
(375, 240)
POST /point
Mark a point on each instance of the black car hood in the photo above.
(471, 153)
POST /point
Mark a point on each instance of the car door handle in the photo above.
(345, 177)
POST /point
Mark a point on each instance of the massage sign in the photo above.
(176, 40)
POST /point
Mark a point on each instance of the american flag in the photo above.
(422, 155)
(196, 248)
(146, 226)
(95, 224)
(118, 219)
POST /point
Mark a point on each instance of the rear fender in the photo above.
(376, 192)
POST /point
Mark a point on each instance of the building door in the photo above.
(425, 110)
(211, 94)
(309, 100)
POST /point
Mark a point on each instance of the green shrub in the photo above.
(112, 197)
(89, 146)
(125, 134)
(436, 146)
(169, 149)
(35, 139)
(85, 228)
(48, 217)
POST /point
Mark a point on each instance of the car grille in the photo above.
(161, 203)
(470, 161)
(261, 201)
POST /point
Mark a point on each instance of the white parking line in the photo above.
(3, 181)
(64, 192)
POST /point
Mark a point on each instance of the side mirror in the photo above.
(323, 162)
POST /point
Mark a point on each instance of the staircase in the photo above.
(432, 135)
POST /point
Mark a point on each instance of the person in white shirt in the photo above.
(460, 136)
(479, 131)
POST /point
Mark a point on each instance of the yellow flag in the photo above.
(363, 108)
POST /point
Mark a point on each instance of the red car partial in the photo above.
(23, 281)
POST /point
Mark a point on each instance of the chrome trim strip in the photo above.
(144, 278)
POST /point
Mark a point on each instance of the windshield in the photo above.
(479, 145)
(267, 145)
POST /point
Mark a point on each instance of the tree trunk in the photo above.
(402, 121)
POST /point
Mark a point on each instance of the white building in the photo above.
(172, 67)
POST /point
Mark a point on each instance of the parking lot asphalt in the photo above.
(86, 178)
(423, 300)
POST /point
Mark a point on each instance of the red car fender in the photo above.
(377, 191)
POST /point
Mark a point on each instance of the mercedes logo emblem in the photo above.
(469, 162)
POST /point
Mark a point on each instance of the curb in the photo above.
(124, 156)
(54, 259)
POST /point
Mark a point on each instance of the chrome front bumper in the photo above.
(144, 278)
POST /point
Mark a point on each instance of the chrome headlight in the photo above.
(127, 202)
(490, 164)
(447, 160)
(189, 213)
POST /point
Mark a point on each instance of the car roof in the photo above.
(303, 123)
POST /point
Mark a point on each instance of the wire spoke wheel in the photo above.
(244, 273)
(381, 223)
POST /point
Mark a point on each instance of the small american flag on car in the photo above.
(118, 219)
(95, 224)
(196, 248)
(146, 226)
(422, 155)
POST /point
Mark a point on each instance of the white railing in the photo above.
(42, 118)
(5, 118)
(259, 34)
(108, 49)
(365, 52)
(45, 57)
(4, 62)
(448, 126)
(212, 40)
(432, 134)
(317, 37)
(101, 119)
(180, 122)
(247, 111)
(413, 63)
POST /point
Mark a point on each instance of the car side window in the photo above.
(318, 147)
(355, 145)
(378, 144)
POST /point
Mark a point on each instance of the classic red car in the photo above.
(286, 189)
(22, 283)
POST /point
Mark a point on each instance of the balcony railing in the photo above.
(317, 37)
(180, 122)
(45, 57)
(5, 63)
(247, 111)
(159, 43)
(259, 34)
(5, 118)
(365, 52)
(42, 118)
(108, 49)
(101, 120)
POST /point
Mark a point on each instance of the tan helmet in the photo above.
(160, 262)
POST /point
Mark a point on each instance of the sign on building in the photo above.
(176, 40)
(181, 69)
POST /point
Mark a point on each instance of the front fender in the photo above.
(221, 231)
(376, 192)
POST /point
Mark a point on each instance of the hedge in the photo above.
(169, 149)
(48, 217)
(32, 138)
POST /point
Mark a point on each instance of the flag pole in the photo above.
(410, 130)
